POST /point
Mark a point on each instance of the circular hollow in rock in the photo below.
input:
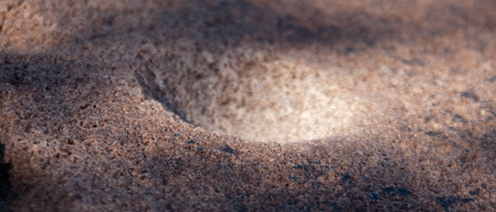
(261, 96)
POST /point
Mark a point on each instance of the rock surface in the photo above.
(191, 105)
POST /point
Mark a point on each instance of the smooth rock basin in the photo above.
(265, 96)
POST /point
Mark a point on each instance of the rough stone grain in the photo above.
(255, 105)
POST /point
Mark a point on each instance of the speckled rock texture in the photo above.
(255, 105)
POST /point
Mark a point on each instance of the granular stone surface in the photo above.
(254, 105)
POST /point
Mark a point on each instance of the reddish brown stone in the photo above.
(190, 105)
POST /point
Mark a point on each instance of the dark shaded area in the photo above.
(432, 133)
(151, 90)
(413, 62)
(228, 149)
(345, 178)
(51, 88)
(447, 202)
(460, 119)
(470, 95)
(488, 141)
(5, 184)
(310, 195)
(492, 79)
(400, 191)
